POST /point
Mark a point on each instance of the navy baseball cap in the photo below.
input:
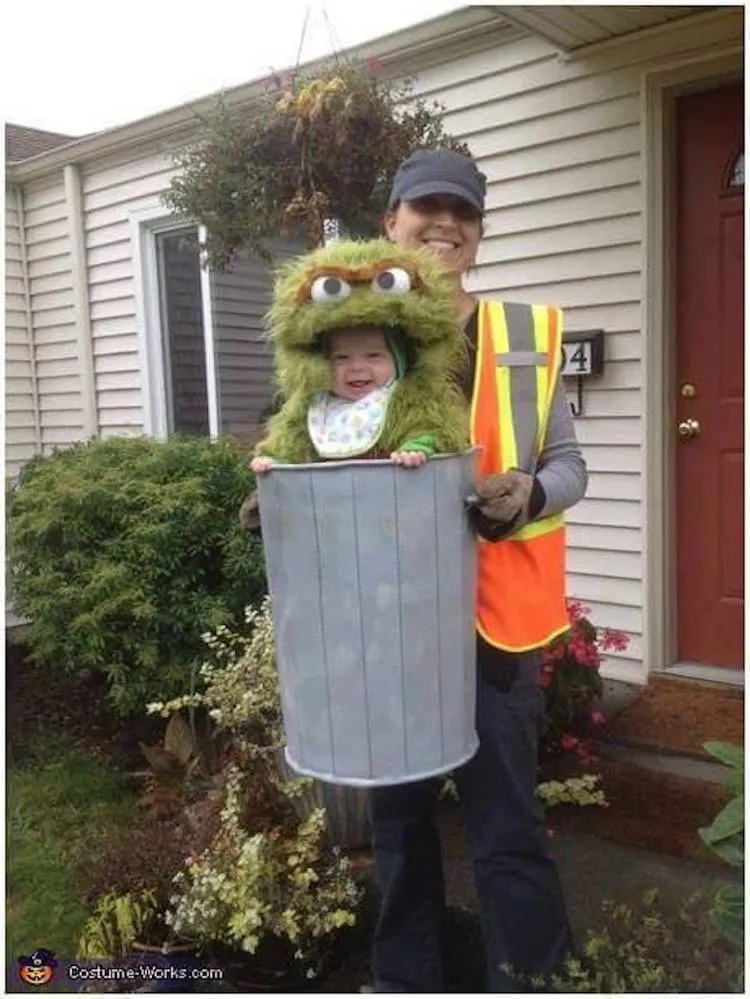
(439, 171)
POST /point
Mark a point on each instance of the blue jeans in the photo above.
(522, 908)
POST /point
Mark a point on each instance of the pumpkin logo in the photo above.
(38, 968)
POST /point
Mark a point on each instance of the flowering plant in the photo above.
(265, 871)
(572, 685)
(281, 881)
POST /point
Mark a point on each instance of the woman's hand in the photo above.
(261, 465)
(409, 459)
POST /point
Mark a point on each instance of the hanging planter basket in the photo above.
(317, 146)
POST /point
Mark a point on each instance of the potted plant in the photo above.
(318, 146)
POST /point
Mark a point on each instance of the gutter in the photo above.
(394, 51)
(82, 312)
(30, 340)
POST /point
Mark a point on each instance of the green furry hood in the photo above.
(400, 290)
(352, 283)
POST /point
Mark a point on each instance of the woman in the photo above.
(531, 469)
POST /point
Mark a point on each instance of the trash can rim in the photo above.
(361, 462)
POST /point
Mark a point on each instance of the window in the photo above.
(737, 177)
(183, 339)
(207, 366)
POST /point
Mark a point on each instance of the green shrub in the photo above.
(642, 950)
(124, 551)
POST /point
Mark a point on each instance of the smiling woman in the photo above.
(530, 470)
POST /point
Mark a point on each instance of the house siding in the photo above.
(21, 422)
(241, 297)
(112, 191)
(561, 144)
(51, 299)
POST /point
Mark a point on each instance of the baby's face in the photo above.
(360, 362)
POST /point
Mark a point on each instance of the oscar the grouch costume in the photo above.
(374, 284)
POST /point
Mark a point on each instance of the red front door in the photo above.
(710, 366)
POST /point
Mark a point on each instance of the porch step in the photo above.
(659, 761)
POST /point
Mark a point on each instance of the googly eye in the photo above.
(329, 288)
(392, 281)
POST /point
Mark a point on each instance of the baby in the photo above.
(366, 353)
(365, 364)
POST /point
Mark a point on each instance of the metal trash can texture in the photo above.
(372, 574)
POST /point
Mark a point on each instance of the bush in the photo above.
(123, 552)
(572, 685)
(641, 950)
(726, 837)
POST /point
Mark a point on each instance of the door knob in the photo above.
(688, 429)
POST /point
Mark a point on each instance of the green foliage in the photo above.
(264, 871)
(319, 145)
(124, 551)
(639, 950)
(116, 924)
(582, 791)
(726, 837)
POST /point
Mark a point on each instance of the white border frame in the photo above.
(658, 91)
(145, 225)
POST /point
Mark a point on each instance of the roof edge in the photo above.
(392, 49)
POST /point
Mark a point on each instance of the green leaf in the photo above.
(178, 739)
(726, 752)
(729, 822)
(728, 913)
(732, 850)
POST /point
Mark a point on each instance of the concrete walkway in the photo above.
(594, 869)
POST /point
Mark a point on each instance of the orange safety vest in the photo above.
(521, 580)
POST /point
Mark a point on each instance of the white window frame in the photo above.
(146, 225)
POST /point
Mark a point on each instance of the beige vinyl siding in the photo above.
(560, 143)
(113, 190)
(241, 298)
(53, 313)
(21, 441)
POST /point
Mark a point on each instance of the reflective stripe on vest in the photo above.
(517, 367)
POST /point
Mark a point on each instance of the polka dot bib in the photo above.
(342, 429)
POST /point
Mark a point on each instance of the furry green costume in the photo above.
(367, 283)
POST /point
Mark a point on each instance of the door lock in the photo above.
(688, 429)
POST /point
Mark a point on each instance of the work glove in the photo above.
(250, 512)
(502, 504)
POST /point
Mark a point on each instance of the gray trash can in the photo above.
(372, 574)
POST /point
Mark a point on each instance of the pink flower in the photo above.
(568, 742)
(597, 717)
(614, 640)
(576, 611)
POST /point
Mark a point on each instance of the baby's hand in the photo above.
(409, 459)
(261, 465)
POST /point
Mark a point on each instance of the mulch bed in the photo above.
(676, 715)
(648, 809)
(42, 701)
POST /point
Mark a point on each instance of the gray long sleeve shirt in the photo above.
(561, 471)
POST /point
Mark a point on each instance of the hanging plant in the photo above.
(316, 147)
